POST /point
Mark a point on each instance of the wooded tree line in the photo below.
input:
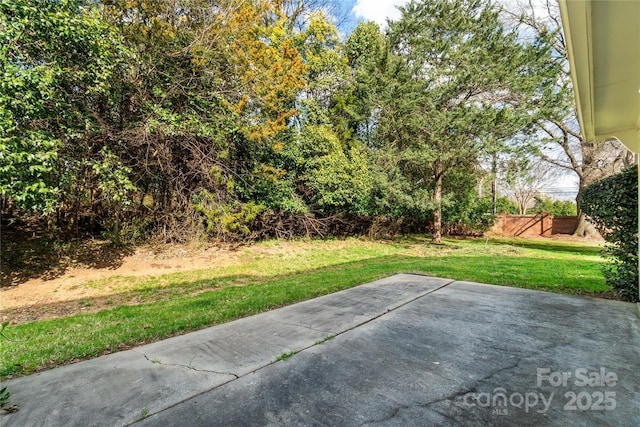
(251, 118)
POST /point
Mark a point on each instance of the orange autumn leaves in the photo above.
(271, 70)
(246, 47)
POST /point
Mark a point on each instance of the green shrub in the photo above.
(506, 205)
(339, 176)
(554, 207)
(471, 216)
(224, 217)
(612, 205)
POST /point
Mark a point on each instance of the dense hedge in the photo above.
(612, 205)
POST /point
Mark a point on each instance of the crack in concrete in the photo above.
(333, 335)
(394, 412)
(399, 407)
(159, 362)
(458, 394)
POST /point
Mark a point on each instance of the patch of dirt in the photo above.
(41, 295)
(67, 293)
(556, 237)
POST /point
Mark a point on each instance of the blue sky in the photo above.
(379, 10)
(373, 10)
(369, 10)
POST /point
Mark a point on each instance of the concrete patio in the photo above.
(406, 350)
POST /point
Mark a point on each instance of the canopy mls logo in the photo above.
(596, 397)
(500, 401)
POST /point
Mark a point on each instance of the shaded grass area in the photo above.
(27, 254)
(181, 302)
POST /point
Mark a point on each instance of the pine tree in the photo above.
(454, 79)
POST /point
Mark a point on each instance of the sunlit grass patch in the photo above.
(273, 274)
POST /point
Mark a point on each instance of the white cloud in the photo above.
(378, 10)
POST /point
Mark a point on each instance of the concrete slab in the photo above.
(408, 350)
(120, 388)
(468, 354)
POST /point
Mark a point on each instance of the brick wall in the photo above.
(534, 225)
(564, 224)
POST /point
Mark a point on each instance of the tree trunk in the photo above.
(598, 162)
(583, 227)
(522, 208)
(494, 192)
(437, 201)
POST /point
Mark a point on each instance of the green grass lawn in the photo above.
(272, 274)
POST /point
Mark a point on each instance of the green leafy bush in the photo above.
(506, 205)
(57, 60)
(339, 176)
(612, 205)
(115, 192)
(225, 218)
(472, 217)
(554, 207)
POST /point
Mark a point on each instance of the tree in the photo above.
(560, 141)
(205, 106)
(58, 60)
(366, 53)
(333, 167)
(524, 179)
(326, 63)
(506, 205)
(451, 78)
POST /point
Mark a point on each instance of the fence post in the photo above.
(547, 224)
